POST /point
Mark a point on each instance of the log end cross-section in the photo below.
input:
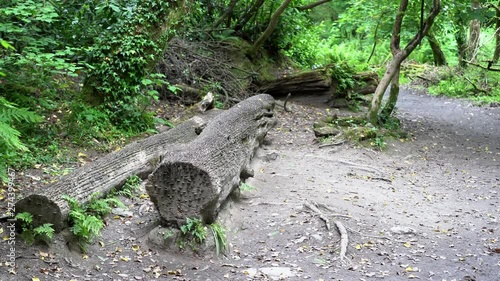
(196, 179)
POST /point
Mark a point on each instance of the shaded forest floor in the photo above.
(426, 208)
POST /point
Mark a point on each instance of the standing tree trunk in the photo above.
(461, 44)
(437, 52)
(251, 11)
(270, 28)
(227, 14)
(496, 54)
(392, 71)
(474, 33)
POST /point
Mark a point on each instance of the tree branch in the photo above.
(227, 14)
(270, 28)
(312, 5)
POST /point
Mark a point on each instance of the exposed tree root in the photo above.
(320, 214)
(367, 235)
(344, 240)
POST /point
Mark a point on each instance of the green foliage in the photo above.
(131, 186)
(358, 130)
(87, 221)
(29, 234)
(194, 227)
(85, 227)
(246, 187)
(10, 143)
(102, 207)
(220, 238)
(473, 83)
(121, 57)
(193, 232)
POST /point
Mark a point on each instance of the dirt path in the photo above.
(427, 208)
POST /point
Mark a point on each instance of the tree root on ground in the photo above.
(344, 240)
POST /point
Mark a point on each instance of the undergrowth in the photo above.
(357, 130)
(476, 84)
(87, 220)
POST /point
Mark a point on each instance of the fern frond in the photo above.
(25, 217)
(10, 137)
(46, 230)
(19, 114)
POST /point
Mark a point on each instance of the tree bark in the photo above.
(474, 34)
(138, 158)
(437, 52)
(393, 96)
(461, 45)
(496, 54)
(195, 180)
(227, 14)
(318, 81)
(399, 56)
(255, 6)
(313, 5)
(270, 28)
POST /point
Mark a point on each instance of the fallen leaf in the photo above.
(35, 279)
(43, 254)
(358, 247)
(125, 259)
(135, 248)
(101, 244)
(407, 245)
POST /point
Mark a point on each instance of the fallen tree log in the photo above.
(196, 179)
(138, 158)
(319, 81)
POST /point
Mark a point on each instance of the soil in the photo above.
(425, 208)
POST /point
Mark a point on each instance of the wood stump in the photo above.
(196, 179)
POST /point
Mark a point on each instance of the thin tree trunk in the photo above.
(437, 52)
(248, 15)
(474, 33)
(496, 54)
(399, 55)
(227, 14)
(461, 45)
(393, 96)
(312, 5)
(270, 28)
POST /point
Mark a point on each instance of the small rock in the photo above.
(317, 237)
(325, 131)
(122, 212)
(270, 157)
(402, 230)
(277, 273)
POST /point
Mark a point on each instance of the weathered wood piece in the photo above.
(319, 81)
(196, 179)
(138, 158)
(312, 82)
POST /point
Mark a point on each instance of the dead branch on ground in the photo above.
(344, 240)
(199, 67)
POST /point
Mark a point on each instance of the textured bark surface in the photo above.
(138, 158)
(314, 82)
(196, 179)
(318, 82)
